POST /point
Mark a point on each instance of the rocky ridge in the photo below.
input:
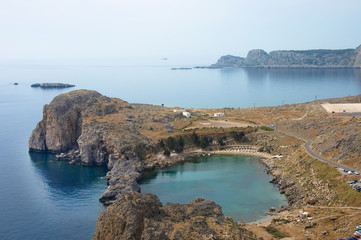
(87, 128)
(320, 58)
(142, 216)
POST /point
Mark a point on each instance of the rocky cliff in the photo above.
(137, 216)
(345, 58)
(85, 127)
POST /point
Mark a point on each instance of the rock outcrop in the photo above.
(87, 128)
(256, 57)
(137, 216)
(229, 61)
(357, 63)
(345, 58)
(62, 122)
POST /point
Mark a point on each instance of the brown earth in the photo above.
(85, 127)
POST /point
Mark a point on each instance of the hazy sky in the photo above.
(56, 29)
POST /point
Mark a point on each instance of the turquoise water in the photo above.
(238, 183)
(41, 198)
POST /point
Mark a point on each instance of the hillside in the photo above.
(320, 58)
(85, 127)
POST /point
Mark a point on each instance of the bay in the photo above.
(41, 198)
(238, 183)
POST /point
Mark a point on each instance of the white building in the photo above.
(219, 114)
(187, 114)
(179, 110)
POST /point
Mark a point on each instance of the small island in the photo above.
(52, 85)
(181, 68)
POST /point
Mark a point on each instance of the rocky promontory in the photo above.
(85, 127)
(142, 216)
(52, 85)
(319, 58)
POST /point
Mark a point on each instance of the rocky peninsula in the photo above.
(319, 58)
(85, 127)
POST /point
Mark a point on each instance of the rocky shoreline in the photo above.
(79, 128)
(295, 59)
(84, 127)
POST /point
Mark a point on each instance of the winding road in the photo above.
(310, 151)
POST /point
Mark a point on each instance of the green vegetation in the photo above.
(265, 128)
(166, 153)
(237, 136)
(205, 141)
(323, 51)
(345, 193)
(281, 220)
(275, 232)
(267, 149)
(220, 140)
(172, 144)
(195, 139)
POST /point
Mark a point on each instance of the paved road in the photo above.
(311, 152)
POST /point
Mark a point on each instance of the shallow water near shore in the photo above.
(238, 183)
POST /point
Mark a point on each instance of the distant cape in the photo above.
(320, 58)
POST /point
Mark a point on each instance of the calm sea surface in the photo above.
(238, 183)
(41, 198)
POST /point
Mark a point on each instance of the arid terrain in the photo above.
(84, 127)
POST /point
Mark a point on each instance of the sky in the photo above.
(91, 29)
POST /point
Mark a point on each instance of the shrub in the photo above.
(275, 232)
(195, 139)
(237, 136)
(166, 153)
(204, 142)
(170, 142)
(265, 128)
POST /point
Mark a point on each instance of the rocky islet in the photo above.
(51, 85)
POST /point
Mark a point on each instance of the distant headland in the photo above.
(52, 85)
(320, 58)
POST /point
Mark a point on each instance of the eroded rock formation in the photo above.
(85, 127)
(137, 216)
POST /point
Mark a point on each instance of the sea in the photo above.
(42, 198)
(239, 184)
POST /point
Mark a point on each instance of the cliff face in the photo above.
(256, 57)
(62, 122)
(229, 61)
(85, 127)
(137, 216)
(358, 57)
(346, 58)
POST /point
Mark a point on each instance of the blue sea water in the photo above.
(41, 198)
(238, 183)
